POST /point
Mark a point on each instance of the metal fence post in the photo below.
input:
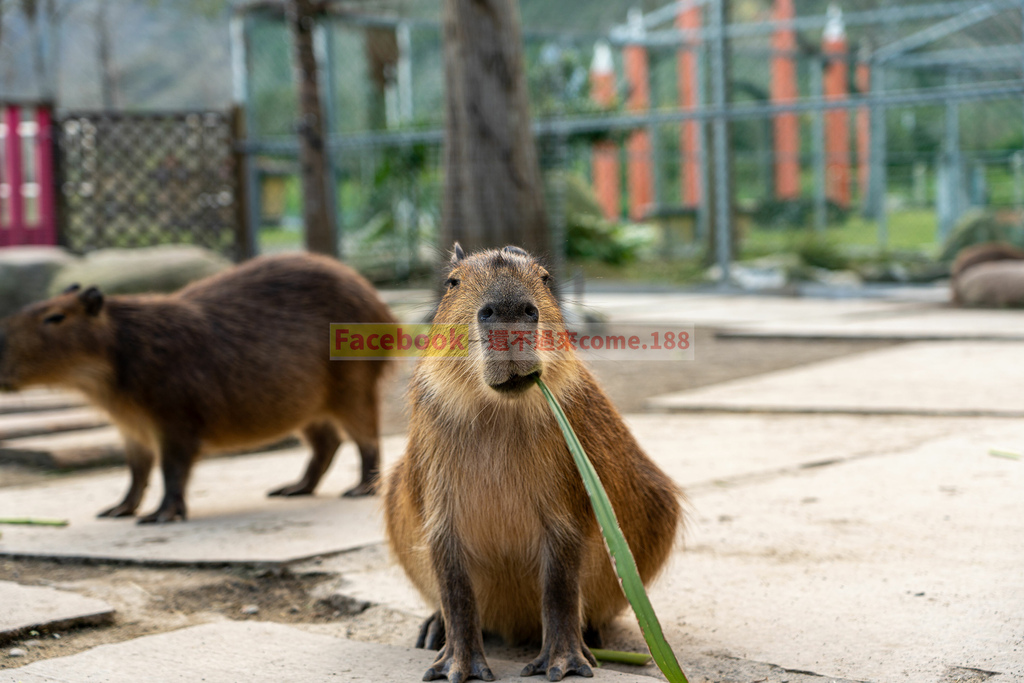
(704, 205)
(323, 45)
(818, 147)
(721, 140)
(950, 210)
(878, 159)
(244, 129)
(557, 213)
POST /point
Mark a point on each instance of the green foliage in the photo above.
(589, 235)
(795, 213)
(819, 252)
(558, 79)
(977, 228)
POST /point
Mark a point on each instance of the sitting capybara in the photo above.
(236, 360)
(486, 511)
(989, 274)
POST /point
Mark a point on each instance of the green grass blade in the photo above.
(34, 521)
(621, 556)
(634, 658)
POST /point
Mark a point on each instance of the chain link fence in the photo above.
(143, 179)
(876, 124)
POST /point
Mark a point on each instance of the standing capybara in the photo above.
(486, 511)
(236, 360)
(988, 274)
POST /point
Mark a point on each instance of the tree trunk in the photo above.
(321, 233)
(494, 193)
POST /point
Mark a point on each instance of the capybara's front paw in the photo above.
(119, 510)
(167, 512)
(362, 489)
(298, 489)
(459, 667)
(558, 661)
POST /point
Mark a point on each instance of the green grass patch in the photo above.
(909, 230)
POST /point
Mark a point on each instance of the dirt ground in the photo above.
(151, 600)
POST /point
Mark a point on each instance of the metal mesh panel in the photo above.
(132, 180)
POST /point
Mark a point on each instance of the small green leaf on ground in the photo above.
(30, 521)
(999, 453)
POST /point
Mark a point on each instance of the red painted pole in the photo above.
(640, 175)
(46, 231)
(863, 80)
(15, 233)
(837, 121)
(605, 154)
(784, 89)
(689, 19)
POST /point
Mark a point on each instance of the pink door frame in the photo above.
(15, 188)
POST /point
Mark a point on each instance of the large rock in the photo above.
(26, 274)
(151, 269)
(995, 284)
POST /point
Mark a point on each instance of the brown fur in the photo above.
(488, 486)
(236, 360)
(975, 255)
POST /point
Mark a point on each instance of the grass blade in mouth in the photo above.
(618, 549)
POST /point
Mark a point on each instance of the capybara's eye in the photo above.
(545, 278)
(53, 318)
(452, 282)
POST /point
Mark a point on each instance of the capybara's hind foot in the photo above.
(362, 489)
(298, 489)
(119, 510)
(431, 635)
(167, 512)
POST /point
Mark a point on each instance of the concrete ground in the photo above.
(860, 544)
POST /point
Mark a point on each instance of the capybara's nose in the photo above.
(520, 312)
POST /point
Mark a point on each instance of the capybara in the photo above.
(236, 360)
(998, 284)
(486, 511)
(991, 292)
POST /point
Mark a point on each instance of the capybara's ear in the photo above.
(72, 288)
(92, 299)
(457, 253)
(512, 249)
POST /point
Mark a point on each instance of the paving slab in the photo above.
(83, 448)
(721, 310)
(902, 567)
(17, 425)
(66, 450)
(921, 378)
(231, 520)
(38, 399)
(257, 652)
(27, 608)
(898, 325)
